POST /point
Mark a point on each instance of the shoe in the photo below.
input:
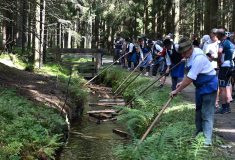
(207, 145)
(160, 86)
(146, 74)
(225, 109)
(218, 110)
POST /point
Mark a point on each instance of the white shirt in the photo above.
(131, 46)
(212, 48)
(199, 64)
(158, 47)
(167, 57)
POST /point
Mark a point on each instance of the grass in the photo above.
(173, 137)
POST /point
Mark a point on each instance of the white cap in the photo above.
(205, 38)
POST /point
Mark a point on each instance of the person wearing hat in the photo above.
(202, 74)
(225, 62)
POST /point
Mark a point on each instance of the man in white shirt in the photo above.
(203, 76)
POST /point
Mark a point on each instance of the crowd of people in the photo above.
(208, 63)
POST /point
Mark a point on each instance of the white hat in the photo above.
(205, 38)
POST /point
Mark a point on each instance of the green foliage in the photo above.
(13, 60)
(29, 67)
(172, 137)
(26, 129)
(135, 120)
(62, 74)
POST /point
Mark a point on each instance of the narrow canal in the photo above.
(90, 138)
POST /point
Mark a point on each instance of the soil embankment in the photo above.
(40, 89)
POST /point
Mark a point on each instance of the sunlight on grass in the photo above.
(77, 60)
(12, 61)
(180, 107)
(54, 70)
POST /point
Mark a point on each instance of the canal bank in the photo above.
(91, 137)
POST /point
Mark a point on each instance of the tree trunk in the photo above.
(24, 26)
(196, 28)
(69, 37)
(213, 13)
(233, 17)
(146, 17)
(177, 19)
(45, 44)
(29, 44)
(19, 23)
(168, 19)
(4, 32)
(154, 16)
(58, 35)
(37, 36)
(96, 32)
(42, 26)
(207, 17)
(160, 17)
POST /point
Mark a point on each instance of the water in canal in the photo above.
(89, 140)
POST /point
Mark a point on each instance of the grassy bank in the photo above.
(28, 131)
(31, 130)
(173, 137)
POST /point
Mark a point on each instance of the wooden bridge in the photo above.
(87, 69)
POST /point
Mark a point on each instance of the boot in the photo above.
(227, 108)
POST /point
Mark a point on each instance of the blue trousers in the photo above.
(174, 81)
(204, 118)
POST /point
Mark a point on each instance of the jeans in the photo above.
(174, 81)
(204, 118)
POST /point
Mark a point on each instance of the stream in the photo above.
(90, 138)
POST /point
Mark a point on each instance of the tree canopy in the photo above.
(33, 26)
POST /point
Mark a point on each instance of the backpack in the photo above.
(175, 56)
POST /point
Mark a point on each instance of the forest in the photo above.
(44, 97)
(32, 27)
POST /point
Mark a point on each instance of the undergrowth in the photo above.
(28, 131)
(172, 138)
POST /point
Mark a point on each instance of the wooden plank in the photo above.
(107, 116)
(102, 111)
(103, 92)
(110, 119)
(112, 100)
(99, 88)
(101, 116)
(121, 133)
(107, 104)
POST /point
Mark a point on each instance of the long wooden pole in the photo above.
(127, 85)
(155, 121)
(144, 90)
(105, 69)
(130, 74)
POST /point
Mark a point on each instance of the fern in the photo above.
(198, 150)
(171, 138)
